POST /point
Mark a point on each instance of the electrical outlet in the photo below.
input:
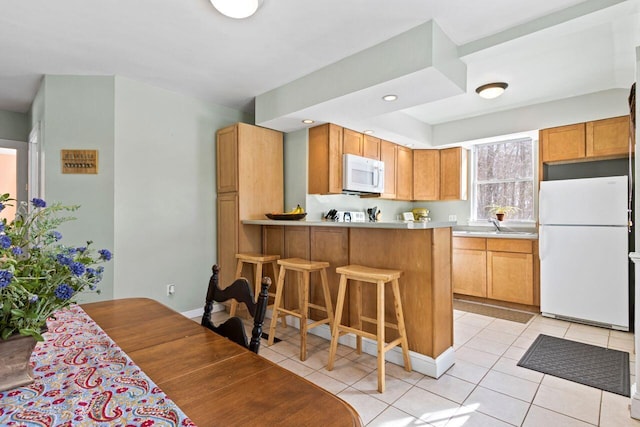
(453, 218)
(171, 289)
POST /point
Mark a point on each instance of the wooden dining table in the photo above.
(213, 380)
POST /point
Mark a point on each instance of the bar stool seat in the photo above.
(258, 261)
(304, 268)
(380, 277)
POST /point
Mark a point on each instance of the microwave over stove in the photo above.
(362, 175)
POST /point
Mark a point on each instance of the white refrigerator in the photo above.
(583, 246)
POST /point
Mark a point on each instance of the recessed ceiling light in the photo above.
(390, 97)
(491, 90)
(308, 121)
(237, 9)
(367, 132)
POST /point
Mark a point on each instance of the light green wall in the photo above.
(14, 126)
(165, 190)
(79, 114)
(153, 201)
(295, 170)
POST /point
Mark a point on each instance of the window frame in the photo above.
(474, 182)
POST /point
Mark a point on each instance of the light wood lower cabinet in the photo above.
(498, 269)
(470, 266)
(510, 277)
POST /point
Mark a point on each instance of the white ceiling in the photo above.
(545, 50)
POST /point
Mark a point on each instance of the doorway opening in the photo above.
(13, 174)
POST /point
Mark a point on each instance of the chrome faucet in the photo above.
(495, 222)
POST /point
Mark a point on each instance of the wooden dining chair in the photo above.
(241, 291)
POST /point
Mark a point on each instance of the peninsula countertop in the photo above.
(402, 225)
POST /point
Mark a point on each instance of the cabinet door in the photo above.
(227, 159)
(453, 174)
(469, 272)
(510, 277)
(371, 147)
(426, 174)
(352, 142)
(404, 173)
(388, 156)
(325, 159)
(563, 143)
(608, 137)
(227, 233)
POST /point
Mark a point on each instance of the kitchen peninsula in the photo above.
(422, 250)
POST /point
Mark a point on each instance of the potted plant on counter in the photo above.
(501, 210)
(38, 276)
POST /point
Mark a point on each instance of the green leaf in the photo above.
(31, 332)
(17, 312)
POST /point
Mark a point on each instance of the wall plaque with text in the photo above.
(79, 161)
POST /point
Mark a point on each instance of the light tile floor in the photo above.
(485, 387)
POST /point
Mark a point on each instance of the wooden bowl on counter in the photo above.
(286, 216)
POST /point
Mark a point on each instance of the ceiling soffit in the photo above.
(420, 65)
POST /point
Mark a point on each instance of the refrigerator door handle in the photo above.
(541, 246)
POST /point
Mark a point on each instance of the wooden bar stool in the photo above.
(258, 261)
(380, 277)
(305, 268)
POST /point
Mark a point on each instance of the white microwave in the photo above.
(362, 175)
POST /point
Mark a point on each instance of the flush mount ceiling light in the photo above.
(390, 97)
(368, 132)
(308, 121)
(237, 9)
(491, 90)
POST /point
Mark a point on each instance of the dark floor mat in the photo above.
(491, 311)
(586, 364)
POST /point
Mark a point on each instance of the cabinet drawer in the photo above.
(477, 243)
(510, 245)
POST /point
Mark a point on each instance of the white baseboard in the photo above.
(419, 362)
(198, 312)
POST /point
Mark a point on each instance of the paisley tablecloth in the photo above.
(82, 378)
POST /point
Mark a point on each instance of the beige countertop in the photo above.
(402, 225)
(484, 232)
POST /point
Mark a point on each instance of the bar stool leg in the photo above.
(234, 303)
(327, 297)
(276, 305)
(304, 312)
(274, 266)
(257, 279)
(401, 328)
(358, 286)
(380, 333)
(335, 333)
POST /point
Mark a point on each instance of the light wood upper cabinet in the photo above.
(352, 142)
(608, 137)
(388, 153)
(563, 143)
(371, 147)
(404, 173)
(426, 174)
(360, 144)
(325, 159)
(227, 150)
(453, 174)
